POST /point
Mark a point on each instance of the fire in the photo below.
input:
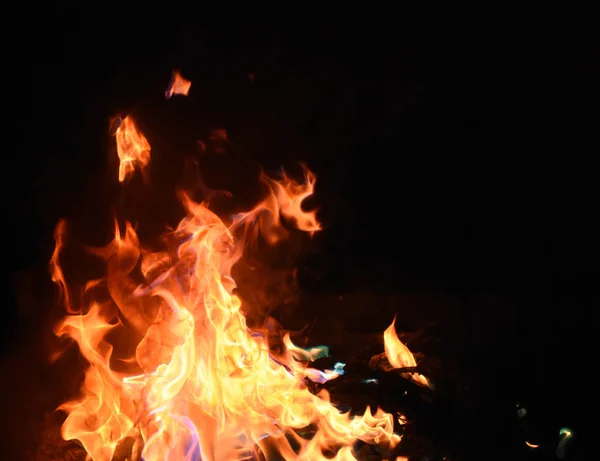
(132, 147)
(200, 385)
(399, 355)
(56, 271)
(178, 85)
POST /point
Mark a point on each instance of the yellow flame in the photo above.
(201, 384)
(399, 355)
(132, 147)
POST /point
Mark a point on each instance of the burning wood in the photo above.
(201, 384)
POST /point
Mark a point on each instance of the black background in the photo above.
(453, 155)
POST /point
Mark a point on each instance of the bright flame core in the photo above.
(201, 384)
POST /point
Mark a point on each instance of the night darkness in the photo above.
(454, 163)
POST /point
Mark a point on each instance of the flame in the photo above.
(290, 195)
(219, 134)
(178, 85)
(132, 147)
(200, 384)
(56, 271)
(399, 355)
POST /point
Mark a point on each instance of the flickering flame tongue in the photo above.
(201, 385)
(132, 147)
(178, 85)
(399, 355)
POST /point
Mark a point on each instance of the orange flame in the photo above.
(56, 271)
(178, 85)
(132, 147)
(399, 355)
(200, 384)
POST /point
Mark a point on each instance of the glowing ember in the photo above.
(178, 85)
(201, 385)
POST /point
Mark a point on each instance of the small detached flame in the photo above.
(178, 85)
(201, 385)
(132, 148)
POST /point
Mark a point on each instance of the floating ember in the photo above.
(202, 385)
